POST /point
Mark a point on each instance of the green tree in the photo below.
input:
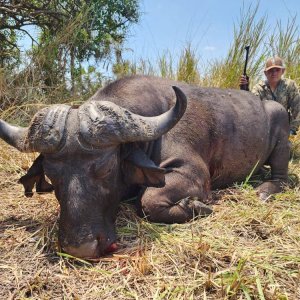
(70, 32)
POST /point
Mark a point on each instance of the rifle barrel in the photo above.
(246, 61)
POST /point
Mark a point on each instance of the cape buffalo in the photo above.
(123, 140)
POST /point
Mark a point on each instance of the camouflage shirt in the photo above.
(286, 93)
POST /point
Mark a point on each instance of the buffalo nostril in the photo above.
(111, 248)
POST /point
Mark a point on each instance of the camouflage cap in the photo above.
(274, 62)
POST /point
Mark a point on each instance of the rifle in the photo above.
(245, 87)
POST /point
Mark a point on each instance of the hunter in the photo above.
(276, 87)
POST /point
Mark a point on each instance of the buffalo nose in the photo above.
(90, 249)
(85, 250)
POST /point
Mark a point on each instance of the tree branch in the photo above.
(32, 39)
(9, 42)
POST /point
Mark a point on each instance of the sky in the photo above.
(207, 25)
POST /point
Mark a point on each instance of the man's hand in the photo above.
(244, 83)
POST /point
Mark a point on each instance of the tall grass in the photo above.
(26, 87)
(186, 69)
(188, 66)
(285, 42)
(166, 65)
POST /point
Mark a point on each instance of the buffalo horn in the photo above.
(44, 134)
(105, 123)
(13, 135)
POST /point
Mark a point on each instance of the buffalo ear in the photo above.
(139, 169)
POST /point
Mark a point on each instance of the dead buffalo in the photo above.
(123, 140)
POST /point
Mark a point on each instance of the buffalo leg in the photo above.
(177, 202)
(35, 176)
(278, 162)
(279, 158)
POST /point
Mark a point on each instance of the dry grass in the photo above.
(245, 250)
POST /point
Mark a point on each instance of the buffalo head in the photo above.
(85, 151)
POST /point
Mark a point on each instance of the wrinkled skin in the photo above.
(221, 137)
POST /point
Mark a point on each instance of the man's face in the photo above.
(274, 75)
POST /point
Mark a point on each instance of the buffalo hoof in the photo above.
(196, 207)
(42, 186)
(28, 183)
(267, 189)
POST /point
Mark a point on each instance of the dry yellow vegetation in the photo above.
(245, 250)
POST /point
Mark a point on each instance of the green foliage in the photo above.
(165, 64)
(70, 33)
(125, 67)
(9, 55)
(285, 42)
(187, 70)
